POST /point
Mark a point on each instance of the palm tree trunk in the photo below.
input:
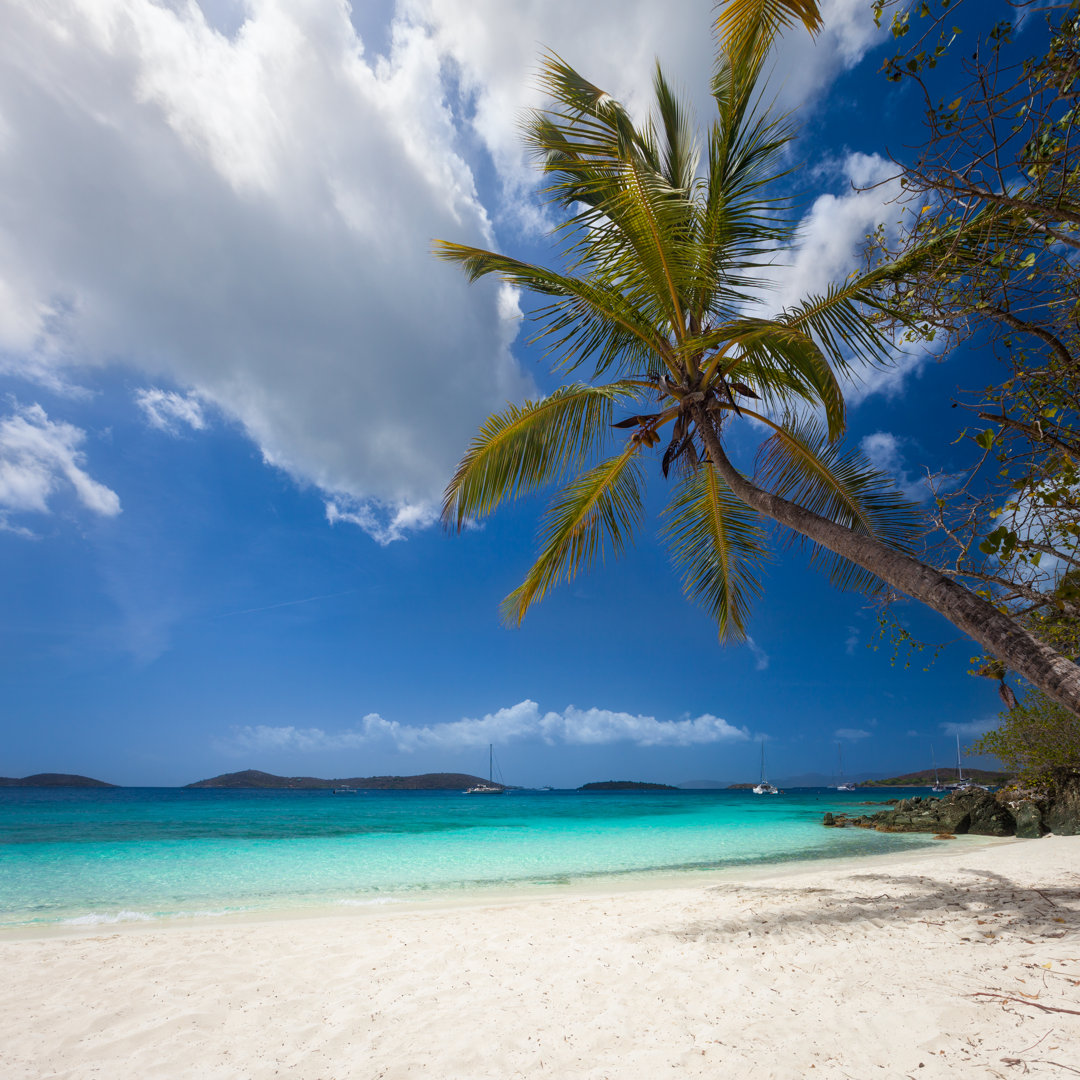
(1054, 674)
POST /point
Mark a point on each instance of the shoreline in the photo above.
(629, 882)
(940, 962)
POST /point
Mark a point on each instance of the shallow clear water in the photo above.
(144, 853)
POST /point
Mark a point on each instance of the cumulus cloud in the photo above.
(251, 218)
(851, 733)
(614, 44)
(38, 457)
(831, 237)
(166, 410)
(834, 228)
(383, 523)
(572, 726)
(240, 199)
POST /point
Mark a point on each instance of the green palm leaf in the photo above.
(594, 513)
(751, 25)
(800, 464)
(588, 319)
(784, 365)
(718, 546)
(526, 447)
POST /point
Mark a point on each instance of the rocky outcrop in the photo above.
(1012, 811)
(1029, 823)
(1062, 816)
(968, 811)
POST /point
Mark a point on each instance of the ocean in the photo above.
(96, 856)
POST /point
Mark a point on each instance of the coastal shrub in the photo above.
(1038, 738)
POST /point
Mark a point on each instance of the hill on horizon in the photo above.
(813, 779)
(53, 779)
(253, 778)
(926, 777)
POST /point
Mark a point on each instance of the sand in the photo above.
(960, 963)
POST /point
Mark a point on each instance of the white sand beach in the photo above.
(964, 962)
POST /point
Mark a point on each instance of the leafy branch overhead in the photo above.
(999, 172)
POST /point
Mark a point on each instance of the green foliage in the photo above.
(663, 286)
(719, 546)
(997, 182)
(904, 646)
(1038, 738)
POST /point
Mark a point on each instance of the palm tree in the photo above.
(665, 299)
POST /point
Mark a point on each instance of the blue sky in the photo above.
(233, 384)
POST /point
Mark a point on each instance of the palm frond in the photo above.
(840, 326)
(749, 26)
(589, 318)
(800, 464)
(594, 513)
(784, 365)
(740, 220)
(679, 150)
(635, 192)
(719, 548)
(526, 447)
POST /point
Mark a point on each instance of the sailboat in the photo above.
(938, 785)
(843, 785)
(490, 788)
(764, 787)
(960, 783)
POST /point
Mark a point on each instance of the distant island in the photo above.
(52, 779)
(253, 778)
(926, 778)
(625, 785)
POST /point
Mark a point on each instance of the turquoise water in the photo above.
(98, 856)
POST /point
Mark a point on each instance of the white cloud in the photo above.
(384, 524)
(831, 237)
(38, 457)
(833, 230)
(851, 733)
(883, 449)
(250, 217)
(852, 640)
(970, 729)
(242, 203)
(572, 726)
(614, 44)
(166, 409)
(761, 657)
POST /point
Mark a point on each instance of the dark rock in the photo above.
(990, 817)
(1029, 825)
(969, 810)
(829, 821)
(953, 818)
(1062, 817)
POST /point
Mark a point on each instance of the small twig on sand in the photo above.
(1031, 1047)
(1022, 1001)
